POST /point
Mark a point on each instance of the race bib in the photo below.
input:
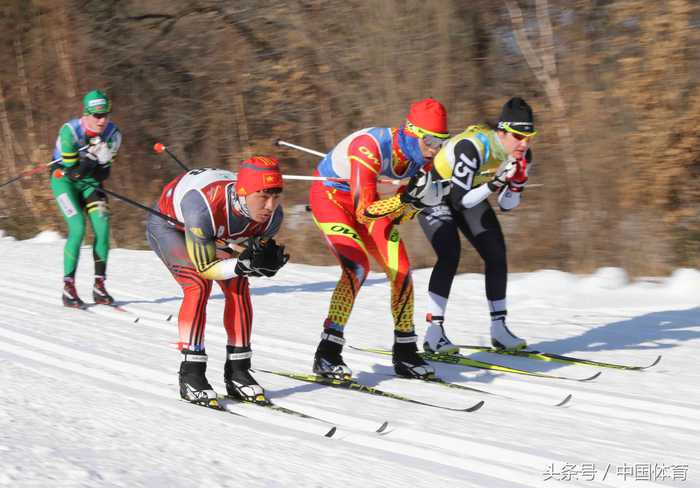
(66, 205)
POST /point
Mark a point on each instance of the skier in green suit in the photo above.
(86, 147)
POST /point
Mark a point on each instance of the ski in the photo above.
(458, 359)
(93, 307)
(288, 411)
(83, 308)
(212, 404)
(216, 404)
(449, 384)
(117, 307)
(457, 386)
(558, 358)
(113, 306)
(354, 385)
(146, 315)
(296, 413)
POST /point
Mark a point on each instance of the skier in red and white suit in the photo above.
(217, 208)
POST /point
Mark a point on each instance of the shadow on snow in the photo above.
(651, 334)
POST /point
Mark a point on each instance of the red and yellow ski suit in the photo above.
(357, 224)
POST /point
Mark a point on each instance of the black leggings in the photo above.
(480, 226)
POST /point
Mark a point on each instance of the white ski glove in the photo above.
(423, 191)
(503, 175)
(100, 152)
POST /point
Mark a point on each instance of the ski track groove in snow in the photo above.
(92, 366)
(482, 456)
(282, 346)
(156, 401)
(619, 418)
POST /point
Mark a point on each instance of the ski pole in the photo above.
(236, 247)
(27, 172)
(320, 178)
(135, 204)
(160, 148)
(36, 169)
(333, 179)
(280, 142)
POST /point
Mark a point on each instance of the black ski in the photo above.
(449, 384)
(355, 385)
(216, 404)
(296, 413)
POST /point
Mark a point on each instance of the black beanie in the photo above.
(517, 115)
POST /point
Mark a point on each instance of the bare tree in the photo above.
(14, 154)
(543, 64)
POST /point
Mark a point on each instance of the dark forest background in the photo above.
(614, 84)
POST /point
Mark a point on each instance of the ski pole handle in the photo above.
(160, 148)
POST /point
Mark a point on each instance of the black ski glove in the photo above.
(101, 172)
(83, 169)
(261, 258)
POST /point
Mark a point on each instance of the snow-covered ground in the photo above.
(90, 398)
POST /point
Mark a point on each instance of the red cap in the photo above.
(427, 117)
(258, 173)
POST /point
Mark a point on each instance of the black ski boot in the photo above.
(407, 362)
(328, 360)
(194, 386)
(70, 296)
(239, 383)
(99, 293)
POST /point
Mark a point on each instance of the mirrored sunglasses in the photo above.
(433, 142)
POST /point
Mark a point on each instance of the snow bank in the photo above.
(685, 282)
(606, 278)
(46, 236)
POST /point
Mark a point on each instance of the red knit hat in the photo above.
(427, 117)
(258, 173)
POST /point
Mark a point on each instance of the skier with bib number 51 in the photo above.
(479, 162)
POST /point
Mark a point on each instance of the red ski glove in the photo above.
(519, 178)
